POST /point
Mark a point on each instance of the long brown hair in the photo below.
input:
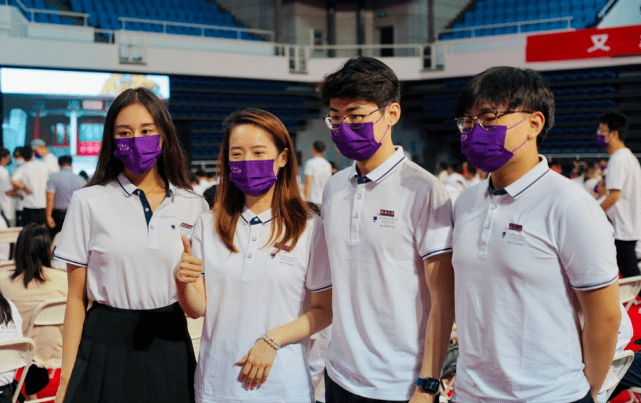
(289, 211)
(172, 165)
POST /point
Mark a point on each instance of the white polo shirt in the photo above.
(10, 331)
(379, 228)
(130, 253)
(624, 174)
(249, 293)
(6, 202)
(34, 175)
(52, 163)
(320, 170)
(519, 257)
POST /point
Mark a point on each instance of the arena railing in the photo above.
(517, 24)
(202, 27)
(33, 11)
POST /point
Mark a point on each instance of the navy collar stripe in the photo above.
(533, 182)
(388, 171)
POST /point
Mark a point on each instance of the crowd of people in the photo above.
(370, 280)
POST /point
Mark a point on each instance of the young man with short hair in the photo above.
(531, 251)
(623, 182)
(61, 186)
(387, 223)
(317, 172)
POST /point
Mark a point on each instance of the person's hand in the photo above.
(256, 365)
(189, 268)
(421, 396)
(50, 222)
(26, 190)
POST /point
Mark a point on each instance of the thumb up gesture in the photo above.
(189, 268)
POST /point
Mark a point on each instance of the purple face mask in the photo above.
(485, 149)
(253, 178)
(601, 140)
(139, 154)
(356, 140)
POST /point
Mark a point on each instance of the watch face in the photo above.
(431, 385)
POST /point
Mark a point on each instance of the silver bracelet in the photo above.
(270, 341)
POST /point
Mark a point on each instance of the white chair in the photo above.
(195, 327)
(48, 313)
(629, 288)
(17, 354)
(619, 367)
(9, 235)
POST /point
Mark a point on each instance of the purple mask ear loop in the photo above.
(526, 139)
(386, 130)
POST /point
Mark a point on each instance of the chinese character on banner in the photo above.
(599, 43)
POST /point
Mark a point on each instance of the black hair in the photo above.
(33, 252)
(364, 78)
(5, 311)
(471, 169)
(84, 175)
(590, 164)
(25, 152)
(456, 166)
(443, 165)
(172, 164)
(510, 87)
(615, 121)
(17, 151)
(4, 153)
(64, 160)
(210, 195)
(319, 146)
(566, 168)
(200, 172)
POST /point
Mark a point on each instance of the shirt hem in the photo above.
(373, 392)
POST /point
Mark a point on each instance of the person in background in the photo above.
(41, 151)
(10, 329)
(532, 252)
(590, 177)
(7, 208)
(18, 195)
(256, 257)
(317, 172)
(61, 186)
(30, 283)
(455, 182)
(472, 176)
(121, 240)
(195, 184)
(84, 175)
(334, 167)
(623, 202)
(201, 177)
(31, 179)
(210, 195)
(603, 165)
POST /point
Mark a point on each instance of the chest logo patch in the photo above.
(186, 226)
(516, 227)
(387, 213)
(173, 226)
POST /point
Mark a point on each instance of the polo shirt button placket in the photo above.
(355, 222)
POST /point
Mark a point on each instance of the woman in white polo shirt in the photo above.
(121, 241)
(261, 249)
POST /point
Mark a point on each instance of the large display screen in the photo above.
(66, 109)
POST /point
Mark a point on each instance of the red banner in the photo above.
(584, 44)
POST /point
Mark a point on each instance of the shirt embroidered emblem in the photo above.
(387, 213)
(516, 227)
(173, 227)
(186, 226)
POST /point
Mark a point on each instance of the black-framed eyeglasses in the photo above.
(333, 122)
(487, 120)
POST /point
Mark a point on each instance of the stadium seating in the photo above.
(493, 12)
(206, 101)
(104, 14)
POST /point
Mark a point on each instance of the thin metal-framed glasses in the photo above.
(487, 120)
(334, 122)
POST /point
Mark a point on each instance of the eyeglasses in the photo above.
(602, 133)
(333, 122)
(487, 120)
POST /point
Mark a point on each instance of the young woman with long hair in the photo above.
(260, 251)
(121, 241)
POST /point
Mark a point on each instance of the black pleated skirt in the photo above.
(140, 356)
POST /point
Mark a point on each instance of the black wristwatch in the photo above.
(429, 385)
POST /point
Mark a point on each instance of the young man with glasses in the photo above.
(388, 228)
(623, 182)
(531, 252)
